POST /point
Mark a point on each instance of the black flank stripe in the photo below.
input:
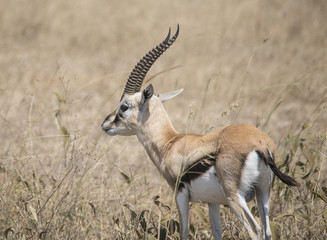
(195, 170)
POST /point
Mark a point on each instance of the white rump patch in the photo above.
(250, 172)
(255, 172)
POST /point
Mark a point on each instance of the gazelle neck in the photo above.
(155, 131)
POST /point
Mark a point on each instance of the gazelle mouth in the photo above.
(105, 127)
(110, 132)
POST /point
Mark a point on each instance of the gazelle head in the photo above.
(134, 108)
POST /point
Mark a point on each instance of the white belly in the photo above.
(206, 189)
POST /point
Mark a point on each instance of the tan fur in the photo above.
(172, 152)
(235, 142)
(192, 163)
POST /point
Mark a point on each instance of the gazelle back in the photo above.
(229, 166)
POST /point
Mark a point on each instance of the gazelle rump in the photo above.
(229, 166)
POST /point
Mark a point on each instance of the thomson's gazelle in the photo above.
(229, 166)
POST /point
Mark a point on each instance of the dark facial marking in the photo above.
(124, 108)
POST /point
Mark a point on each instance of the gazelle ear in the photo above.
(169, 95)
(146, 95)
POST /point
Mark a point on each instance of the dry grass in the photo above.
(63, 65)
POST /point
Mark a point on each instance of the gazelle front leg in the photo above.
(214, 213)
(182, 201)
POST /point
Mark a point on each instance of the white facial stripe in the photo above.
(112, 118)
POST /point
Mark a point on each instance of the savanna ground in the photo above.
(63, 65)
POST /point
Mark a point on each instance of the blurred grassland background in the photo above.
(63, 66)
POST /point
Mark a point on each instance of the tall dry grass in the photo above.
(62, 69)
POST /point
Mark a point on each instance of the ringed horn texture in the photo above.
(135, 79)
(228, 166)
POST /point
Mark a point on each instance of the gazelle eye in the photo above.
(124, 108)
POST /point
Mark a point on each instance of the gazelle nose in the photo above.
(105, 125)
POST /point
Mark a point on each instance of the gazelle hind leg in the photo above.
(263, 205)
(262, 190)
(238, 205)
(214, 213)
(235, 189)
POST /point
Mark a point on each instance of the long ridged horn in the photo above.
(135, 79)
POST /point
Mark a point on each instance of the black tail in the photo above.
(269, 161)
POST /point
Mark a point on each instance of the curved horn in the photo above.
(135, 79)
